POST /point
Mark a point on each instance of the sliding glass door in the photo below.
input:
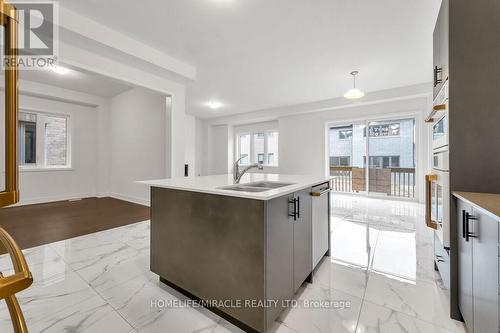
(376, 157)
(347, 147)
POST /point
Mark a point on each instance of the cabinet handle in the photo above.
(440, 107)
(298, 207)
(428, 201)
(437, 80)
(463, 223)
(294, 214)
(320, 193)
(469, 234)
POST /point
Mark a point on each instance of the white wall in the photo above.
(103, 149)
(139, 134)
(81, 179)
(219, 152)
(190, 144)
(201, 148)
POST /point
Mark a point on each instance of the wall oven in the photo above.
(437, 183)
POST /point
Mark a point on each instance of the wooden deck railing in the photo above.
(397, 182)
(403, 182)
(343, 179)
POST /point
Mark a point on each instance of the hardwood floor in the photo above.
(35, 225)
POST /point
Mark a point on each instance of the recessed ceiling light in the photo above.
(214, 105)
(60, 70)
(354, 93)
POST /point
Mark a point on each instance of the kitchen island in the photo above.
(244, 249)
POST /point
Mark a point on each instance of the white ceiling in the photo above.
(258, 54)
(93, 84)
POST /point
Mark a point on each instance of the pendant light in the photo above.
(354, 93)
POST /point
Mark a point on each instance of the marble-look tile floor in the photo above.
(380, 278)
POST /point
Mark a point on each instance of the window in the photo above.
(340, 160)
(244, 148)
(345, 134)
(27, 136)
(384, 130)
(258, 147)
(270, 159)
(43, 140)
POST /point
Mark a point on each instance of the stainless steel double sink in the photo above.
(256, 187)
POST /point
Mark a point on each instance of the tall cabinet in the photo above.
(467, 50)
(437, 181)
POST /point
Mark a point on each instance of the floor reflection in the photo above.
(381, 264)
(376, 235)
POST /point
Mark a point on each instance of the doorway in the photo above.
(374, 157)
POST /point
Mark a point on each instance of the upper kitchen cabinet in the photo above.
(441, 45)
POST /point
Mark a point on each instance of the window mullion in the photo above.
(40, 140)
(252, 148)
(266, 149)
(238, 146)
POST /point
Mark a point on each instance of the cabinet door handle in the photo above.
(469, 234)
(429, 179)
(321, 193)
(294, 214)
(298, 207)
(437, 80)
(463, 223)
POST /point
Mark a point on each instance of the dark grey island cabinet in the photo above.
(252, 254)
(478, 259)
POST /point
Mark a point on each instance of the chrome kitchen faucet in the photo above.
(236, 169)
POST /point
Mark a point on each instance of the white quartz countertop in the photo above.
(213, 184)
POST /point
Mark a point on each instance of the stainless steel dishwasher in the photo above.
(320, 222)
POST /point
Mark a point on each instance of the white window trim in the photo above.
(41, 144)
(252, 146)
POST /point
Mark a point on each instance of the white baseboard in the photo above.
(136, 200)
(40, 200)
